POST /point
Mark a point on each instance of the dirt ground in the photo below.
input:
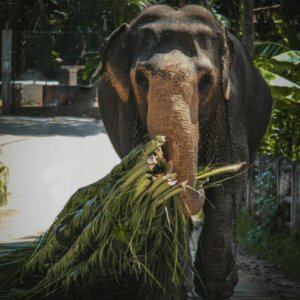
(264, 279)
(259, 278)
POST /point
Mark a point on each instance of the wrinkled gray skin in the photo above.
(190, 37)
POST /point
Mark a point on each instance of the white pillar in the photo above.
(73, 73)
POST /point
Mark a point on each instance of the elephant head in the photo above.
(174, 66)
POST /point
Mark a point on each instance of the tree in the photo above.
(248, 26)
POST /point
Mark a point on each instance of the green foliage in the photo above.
(121, 219)
(77, 16)
(278, 242)
(112, 235)
(241, 7)
(269, 49)
(221, 18)
(245, 223)
(147, 3)
(282, 133)
(280, 211)
(276, 247)
(90, 68)
(205, 3)
(279, 71)
(123, 11)
(230, 12)
(264, 27)
(287, 32)
(280, 66)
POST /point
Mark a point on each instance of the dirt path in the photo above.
(260, 279)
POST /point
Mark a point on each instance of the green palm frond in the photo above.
(113, 238)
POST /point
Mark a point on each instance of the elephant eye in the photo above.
(204, 82)
(142, 79)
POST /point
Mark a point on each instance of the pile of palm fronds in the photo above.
(114, 239)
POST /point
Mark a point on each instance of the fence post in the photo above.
(283, 180)
(6, 70)
(295, 205)
(252, 192)
(283, 170)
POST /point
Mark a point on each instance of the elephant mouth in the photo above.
(191, 198)
(195, 197)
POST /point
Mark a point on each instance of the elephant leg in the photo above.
(216, 253)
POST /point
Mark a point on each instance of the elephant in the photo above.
(181, 74)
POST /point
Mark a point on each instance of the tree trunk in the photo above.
(248, 26)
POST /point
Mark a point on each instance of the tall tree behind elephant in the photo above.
(181, 74)
(248, 26)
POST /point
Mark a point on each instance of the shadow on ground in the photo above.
(64, 126)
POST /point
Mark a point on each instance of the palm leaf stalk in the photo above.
(112, 237)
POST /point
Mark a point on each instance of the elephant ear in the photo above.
(114, 62)
(228, 56)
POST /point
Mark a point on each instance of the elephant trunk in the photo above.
(173, 113)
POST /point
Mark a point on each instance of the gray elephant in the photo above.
(181, 74)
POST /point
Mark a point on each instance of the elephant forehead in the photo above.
(186, 26)
(161, 16)
(178, 47)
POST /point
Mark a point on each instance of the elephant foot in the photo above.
(217, 288)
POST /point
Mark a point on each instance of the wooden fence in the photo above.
(287, 178)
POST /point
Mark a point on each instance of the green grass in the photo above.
(282, 248)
